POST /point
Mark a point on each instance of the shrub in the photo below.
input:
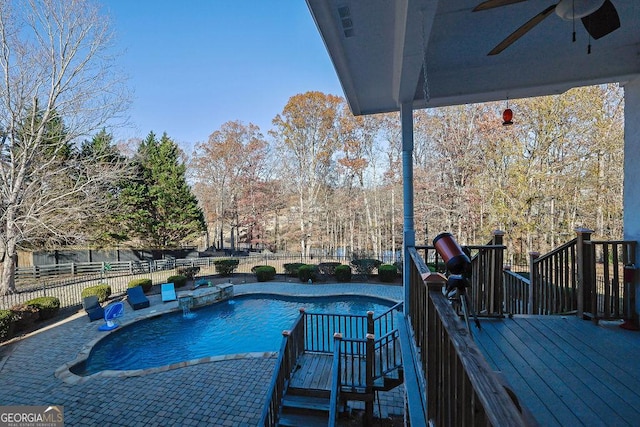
(47, 306)
(291, 269)
(308, 272)
(343, 273)
(328, 268)
(102, 291)
(187, 271)
(225, 267)
(146, 284)
(6, 324)
(387, 272)
(24, 316)
(256, 267)
(265, 273)
(398, 265)
(440, 267)
(365, 265)
(178, 280)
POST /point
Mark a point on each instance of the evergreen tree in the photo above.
(162, 211)
(106, 229)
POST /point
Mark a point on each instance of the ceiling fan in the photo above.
(599, 17)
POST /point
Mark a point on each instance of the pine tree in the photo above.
(106, 228)
(162, 211)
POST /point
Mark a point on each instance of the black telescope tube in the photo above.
(451, 252)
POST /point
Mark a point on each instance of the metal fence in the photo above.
(66, 281)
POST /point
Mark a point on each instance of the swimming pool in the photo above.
(246, 324)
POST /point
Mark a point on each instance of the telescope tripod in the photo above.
(457, 293)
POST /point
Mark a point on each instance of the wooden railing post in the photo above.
(498, 237)
(370, 326)
(533, 283)
(496, 275)
(368, 406)
(586, 285)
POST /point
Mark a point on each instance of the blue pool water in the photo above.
(242, 325)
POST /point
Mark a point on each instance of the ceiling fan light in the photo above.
(572, 9)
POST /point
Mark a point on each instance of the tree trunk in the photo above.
(7, 280)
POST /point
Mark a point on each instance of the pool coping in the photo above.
(64, 371)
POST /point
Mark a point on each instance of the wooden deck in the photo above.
(313, 372)
(565, 370)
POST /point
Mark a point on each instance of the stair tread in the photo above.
(303, 420)
(310, 402)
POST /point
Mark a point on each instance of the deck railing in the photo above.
(386, 355)
(320, 327)
(554, 279)
(353, 355)
(486, 291)
(385, 322)
(291, 348)
(609, 281)
(461, 388)
(591, 278)
(516, 292)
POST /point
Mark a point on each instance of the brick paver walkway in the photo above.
(221, 393)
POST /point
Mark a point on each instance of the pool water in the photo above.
(242, 325)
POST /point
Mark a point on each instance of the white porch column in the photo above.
(631, 192)
(408, 232)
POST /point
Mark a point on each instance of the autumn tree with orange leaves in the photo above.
(306, 134)
(227, 172)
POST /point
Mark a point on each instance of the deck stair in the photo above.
(301, 407)
(320, 369)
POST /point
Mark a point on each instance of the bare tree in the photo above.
(56, 67)
(305, 132)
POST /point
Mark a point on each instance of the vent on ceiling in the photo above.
(345, 18)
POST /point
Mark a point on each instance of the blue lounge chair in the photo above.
(168, 292)
(137, 298)
(92, 307)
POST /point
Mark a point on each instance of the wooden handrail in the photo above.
(461, 387)
(334, 400)
(560, 248)
(292, 346)
(385, 322)
(486, 275)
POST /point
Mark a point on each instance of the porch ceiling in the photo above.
(378, 46)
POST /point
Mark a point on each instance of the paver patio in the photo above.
(221, 393)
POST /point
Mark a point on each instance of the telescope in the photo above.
(457, 262)
(455, 259)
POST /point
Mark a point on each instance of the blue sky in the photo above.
(194, 65)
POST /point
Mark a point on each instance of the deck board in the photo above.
(565, 370)
(314, 372)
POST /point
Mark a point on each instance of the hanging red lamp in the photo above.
(507, 117)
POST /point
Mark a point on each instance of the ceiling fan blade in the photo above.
(603, 21)
(490, 4)
(522, 30)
